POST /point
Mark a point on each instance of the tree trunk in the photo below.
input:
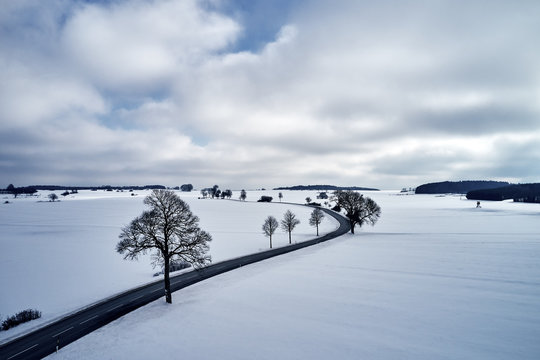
(317, 229)
(167, 279)
(352, 226)
(290, 238)
(270, 241)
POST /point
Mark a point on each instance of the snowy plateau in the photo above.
(435, 278)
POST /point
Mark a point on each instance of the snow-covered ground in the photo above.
(436, 278)
(58, 257)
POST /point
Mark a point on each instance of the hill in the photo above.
(325, 187)
(520, 192)
(458, 187)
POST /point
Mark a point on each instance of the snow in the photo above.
(435, 278)
(57, 257)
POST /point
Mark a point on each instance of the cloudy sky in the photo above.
(249, 94)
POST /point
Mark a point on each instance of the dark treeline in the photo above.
(102, 187)
(519, 192)
(458, 187)
(34, 188)
(325, 187)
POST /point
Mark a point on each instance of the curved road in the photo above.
(46, 340)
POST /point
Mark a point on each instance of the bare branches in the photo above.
(170, 228)
(269, 227)
(289, 222)
(316, 218)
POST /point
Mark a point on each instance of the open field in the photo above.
(436, 278)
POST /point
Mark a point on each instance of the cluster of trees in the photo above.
(324, 187)
(358, 209)
(215, 193)
(520, 193)
(289, 222)
(458, 187)
(20, 317)
(16, 191)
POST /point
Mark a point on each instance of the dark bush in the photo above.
(175, 265)
(21, 317)
(265, 199)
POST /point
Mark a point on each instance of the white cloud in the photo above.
(142, 43)
(384, 94)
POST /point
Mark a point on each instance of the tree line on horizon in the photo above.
(458, 187)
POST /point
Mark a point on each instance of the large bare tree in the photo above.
(289, 222)
(358, 209)
(169, 230)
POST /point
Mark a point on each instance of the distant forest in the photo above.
(458, 187)
(103, 187)
(519, 193)
(324, 187)
(34, 188)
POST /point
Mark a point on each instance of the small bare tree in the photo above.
(243, 195)
(316, 218)
(53, 197)
(171, 230)
(269, 227)
(289, 222)
(280, 196)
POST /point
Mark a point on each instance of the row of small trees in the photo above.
(215, 192)
(289, 222)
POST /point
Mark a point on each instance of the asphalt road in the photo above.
(47, 339)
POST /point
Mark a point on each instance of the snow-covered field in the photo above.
(58, 257)
(436, 278)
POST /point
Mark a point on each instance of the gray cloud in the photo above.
(383, 94)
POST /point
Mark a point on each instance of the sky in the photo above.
(251, 94)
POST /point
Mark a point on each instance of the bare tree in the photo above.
(170, 230)
(308, 200)
(358, 209)
(53, 197)
(289, 222)
(269, 227)
(213, 191)
(280, 196)
(316, 218)
(243, 195)
(226, 194)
